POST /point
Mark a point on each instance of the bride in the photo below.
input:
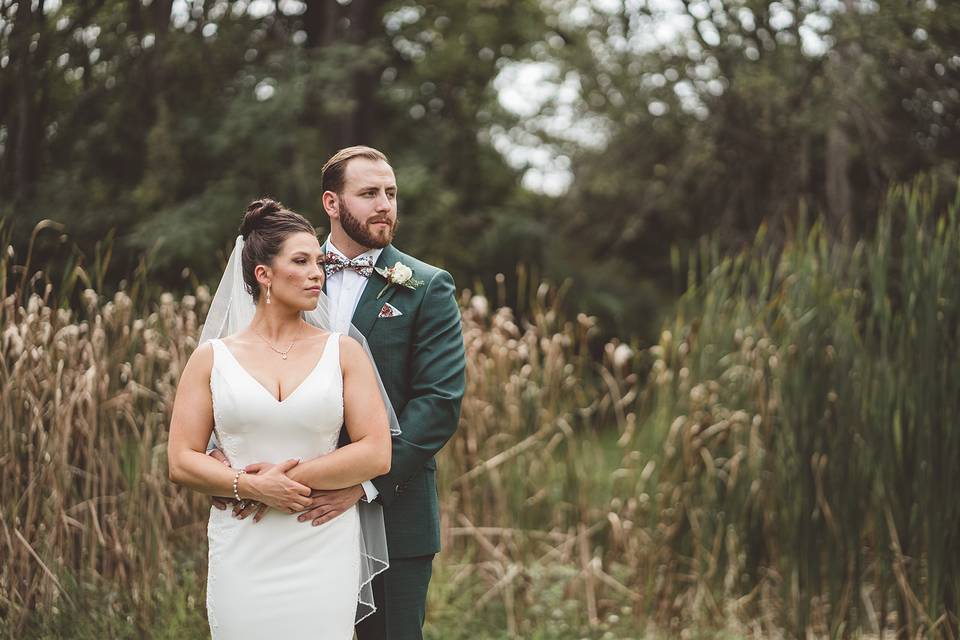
(275, 391)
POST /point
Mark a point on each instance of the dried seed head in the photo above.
(480, 305)
(622, 355)
(698, 394)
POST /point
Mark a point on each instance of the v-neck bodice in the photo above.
(252, 425)
(295, 389)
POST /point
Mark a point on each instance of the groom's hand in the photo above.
(327, 505)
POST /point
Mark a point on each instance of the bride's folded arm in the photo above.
(365, 418)
(190, 466)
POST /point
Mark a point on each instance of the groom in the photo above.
(413, 330)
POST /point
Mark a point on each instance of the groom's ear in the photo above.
(331, 204)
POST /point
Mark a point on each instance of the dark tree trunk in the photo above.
(320, 23)
(134, 16)
(364, 27)
(25, 116)
(842, 66)
(357, 24)
(838, 190)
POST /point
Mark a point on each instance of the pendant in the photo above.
(283, 355)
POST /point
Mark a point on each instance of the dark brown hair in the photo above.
(332, 174)
(266, 225)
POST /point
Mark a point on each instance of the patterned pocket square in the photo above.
(389, 311)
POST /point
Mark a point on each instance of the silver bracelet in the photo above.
(236, 479)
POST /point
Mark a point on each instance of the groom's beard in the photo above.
(362, 233)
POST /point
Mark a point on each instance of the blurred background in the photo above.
(577, 138)
(709, 254)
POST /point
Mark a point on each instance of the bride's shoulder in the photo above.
(233, 338)
(314, 337)
(317, 339)
(200, 362)
(203, 352)
(349, 348)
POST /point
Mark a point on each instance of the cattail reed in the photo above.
(780, 463)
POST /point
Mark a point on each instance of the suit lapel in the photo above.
(368, 307)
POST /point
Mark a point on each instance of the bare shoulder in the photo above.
(234, 338)
(239, 342)
(310, 332)
(352, 355)
(314, 338)
(349, 347)
(200, 362)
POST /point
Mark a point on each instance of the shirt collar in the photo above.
(374, 254)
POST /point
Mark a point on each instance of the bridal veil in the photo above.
(232, 309)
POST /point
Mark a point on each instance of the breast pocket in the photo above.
(392, 333)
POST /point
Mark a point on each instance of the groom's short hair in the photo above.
(333, 172)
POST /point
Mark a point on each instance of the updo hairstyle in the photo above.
(266, 225)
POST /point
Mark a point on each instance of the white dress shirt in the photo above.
(343, 290)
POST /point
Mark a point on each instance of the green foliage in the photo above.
(552, 614)
(108, 611)
(719, 116)
(163, 125)
(161, 120)
(809, 458)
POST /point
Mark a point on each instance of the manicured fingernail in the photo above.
(301, 518)
(315, 523)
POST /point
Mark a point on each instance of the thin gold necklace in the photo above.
(283, 354)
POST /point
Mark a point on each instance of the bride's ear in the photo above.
(263, 274)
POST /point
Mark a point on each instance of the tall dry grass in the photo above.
(85, 408)
(781, 463)
(808, 474)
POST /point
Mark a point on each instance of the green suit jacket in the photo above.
(420, 358)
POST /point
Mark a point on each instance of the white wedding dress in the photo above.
(280, 578)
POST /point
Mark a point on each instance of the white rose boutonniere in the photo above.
(399, 274)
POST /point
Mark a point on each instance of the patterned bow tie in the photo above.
(335, 263)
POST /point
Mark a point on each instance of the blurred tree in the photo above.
(723, 114)
(164, 118)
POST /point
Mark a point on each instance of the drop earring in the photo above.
(268, 294)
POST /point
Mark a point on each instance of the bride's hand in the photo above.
(269, 484)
